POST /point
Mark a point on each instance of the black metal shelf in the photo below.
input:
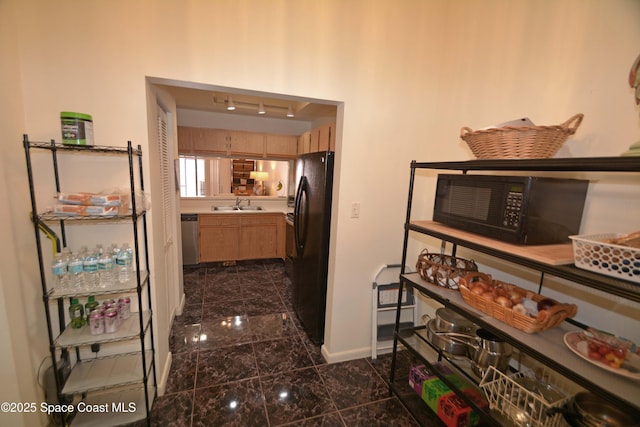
(143, 365)
(574, 164)
(100, 149)
(622, 288)
(548, 346)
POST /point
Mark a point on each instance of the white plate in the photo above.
(580, 346)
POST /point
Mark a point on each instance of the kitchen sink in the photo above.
(237, 208)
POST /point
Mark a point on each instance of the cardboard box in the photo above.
(449, 407)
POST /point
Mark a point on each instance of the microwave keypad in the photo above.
(512, 210)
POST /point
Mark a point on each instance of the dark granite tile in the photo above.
(191, 314)
(353, 383)
(173, 410)
(254, 277)
(404, 362)
(259, 290)
(295, 395)
(225, 332)
(194, 296)
(250, 265)
(384, 413)
(226, 292)
(238, 404)
(184, 337)
(220, 267)
(220, 280)
(272, 326)
(333, 419)
(226, 364)
(279, 355)
(216, 310)
(182, 376)
(268, 303)
(315, 350)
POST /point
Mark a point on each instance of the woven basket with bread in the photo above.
(520, 308)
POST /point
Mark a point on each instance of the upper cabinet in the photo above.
(222, 142)
(281, 146)
(322, 138)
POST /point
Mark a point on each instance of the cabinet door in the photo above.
(324, 134)
(210, 141)
(260, 236)
(281, 145)
(247, 144)
(184, 140)
(219, 237)
(314, 144)
(304, 142)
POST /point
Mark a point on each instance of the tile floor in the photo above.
(241, 358)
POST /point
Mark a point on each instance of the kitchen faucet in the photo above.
(238, 201)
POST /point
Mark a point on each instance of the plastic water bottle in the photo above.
(125, 258)
(105, 268)
(76, 271)
(59, 269)
(90, 267)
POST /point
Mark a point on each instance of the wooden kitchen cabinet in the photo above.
(239, 236)
(219, 237)
(281, 146)
(249, 144)
(326, 137)
(185, 145)
(304, 143)
(262, 236)
(209, 141)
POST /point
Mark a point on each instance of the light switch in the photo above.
(355, 210)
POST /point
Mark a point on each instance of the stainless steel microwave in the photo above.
(517, 209)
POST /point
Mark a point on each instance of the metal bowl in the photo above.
(454, 343)
(449, 321)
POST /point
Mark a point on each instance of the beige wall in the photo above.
(410, 74)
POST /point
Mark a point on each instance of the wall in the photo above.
(410, 73)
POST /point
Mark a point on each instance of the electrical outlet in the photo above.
(355, 210)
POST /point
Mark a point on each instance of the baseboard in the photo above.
(164, 376)
(345, 355)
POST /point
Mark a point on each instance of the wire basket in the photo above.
(520, 142)
(594, 253)
(443, 270)
(508, 396)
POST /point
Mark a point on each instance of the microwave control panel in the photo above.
(513, 208)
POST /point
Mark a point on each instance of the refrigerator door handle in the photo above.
(301, 215)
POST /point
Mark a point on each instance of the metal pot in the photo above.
(489, 350)
(588, 410)
(449, 321)
(454, 343)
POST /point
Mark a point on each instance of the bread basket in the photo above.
(519, 142)
(544, 320)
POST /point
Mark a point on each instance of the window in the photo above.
(219, 176)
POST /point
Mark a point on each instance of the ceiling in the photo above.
(247, 104)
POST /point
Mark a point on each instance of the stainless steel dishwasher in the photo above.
(190, 249)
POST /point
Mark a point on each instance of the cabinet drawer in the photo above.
(218, 220)
(261, 219)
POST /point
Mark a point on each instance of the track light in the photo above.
(230, 105)
(261, 109)
(290, 112)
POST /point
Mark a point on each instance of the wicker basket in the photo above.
(443, 270)
(520, 142)
(546, 319)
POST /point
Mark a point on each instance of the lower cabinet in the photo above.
(219, 237)
(238, 236)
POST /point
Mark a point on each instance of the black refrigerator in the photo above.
(312, 222)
